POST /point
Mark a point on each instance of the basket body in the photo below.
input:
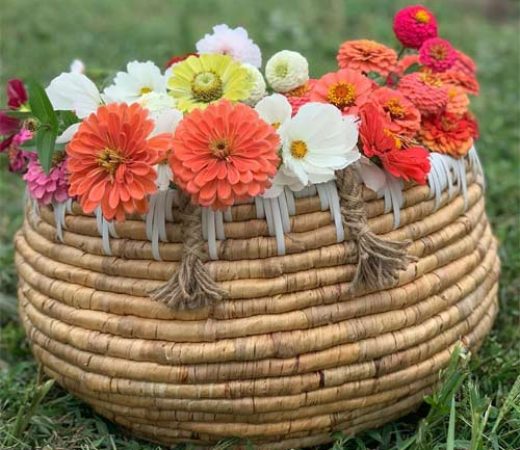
(292, 355)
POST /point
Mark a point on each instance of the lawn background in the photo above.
(40, 38)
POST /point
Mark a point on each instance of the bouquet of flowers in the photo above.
(217, 128)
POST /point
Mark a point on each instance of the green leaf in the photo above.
(413, 68)
(45, 141)
(450, 444)
(41, 106)
(17, 114)
(66, 119)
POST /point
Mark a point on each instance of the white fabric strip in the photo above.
(219, 225)
(278, 227)
(99, 220)
(212, 243)
(284, 212)
(324, 198)
(289, 196)
(105, 237)
(268, 216)
(160, 216)
(335, 208)
(149, 217)
(204, 221)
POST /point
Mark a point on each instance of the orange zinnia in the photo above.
(110, 160)
(449, 133)
(367, 56)
(224, 153)
(346, 89)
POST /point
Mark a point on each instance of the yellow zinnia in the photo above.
(199, 81)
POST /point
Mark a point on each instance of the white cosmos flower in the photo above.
(259, 87)
(282, 179)
(287, 70)
(317, 142)
(74, 92)
(233, 42)
(274, 109)
(139, 79)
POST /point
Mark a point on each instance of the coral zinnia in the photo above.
(458, 100)
(413, 25)
(426, 91)
(449, 133)
(224, 153)
(465, 64)
(111, 158)
(403, 117)
(379, 142)
(437, 54)
(461, 79)
(198, 81)
(346, 89)
(367, 56)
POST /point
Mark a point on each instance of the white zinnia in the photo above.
(139, 79)
(287, 70)
(233, 42)
(74, 92)
(274, 109)
(317, 142)
(258, 82)
(161, 108)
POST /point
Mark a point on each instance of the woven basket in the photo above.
(292, 354)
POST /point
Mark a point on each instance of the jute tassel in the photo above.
(379, 260)
(191, 286)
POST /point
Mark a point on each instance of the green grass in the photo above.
(479, 405)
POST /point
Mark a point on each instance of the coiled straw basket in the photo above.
(292, 354)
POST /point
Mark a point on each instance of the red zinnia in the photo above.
(111, 160)
(346, 89)
(378, 141)
(178, 58)
(16, 94)
(224, 153)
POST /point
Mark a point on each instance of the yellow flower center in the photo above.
(430, 80)
(396, 139)
(276, 125)
(207, 87)
(342, 94)
(300, 91)
(394, 107)
(110, 160)
(145, 90)
(422, 16)
(220, 148)
(298, 149)
(281, 69)
(438, 52)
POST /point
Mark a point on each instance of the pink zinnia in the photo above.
(426, 91)
(50, 187)
(437, 54)
(300, 96)
(413, 25)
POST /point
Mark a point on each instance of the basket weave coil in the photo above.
(292, 353)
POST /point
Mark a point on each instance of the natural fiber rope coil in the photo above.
(292, 354)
